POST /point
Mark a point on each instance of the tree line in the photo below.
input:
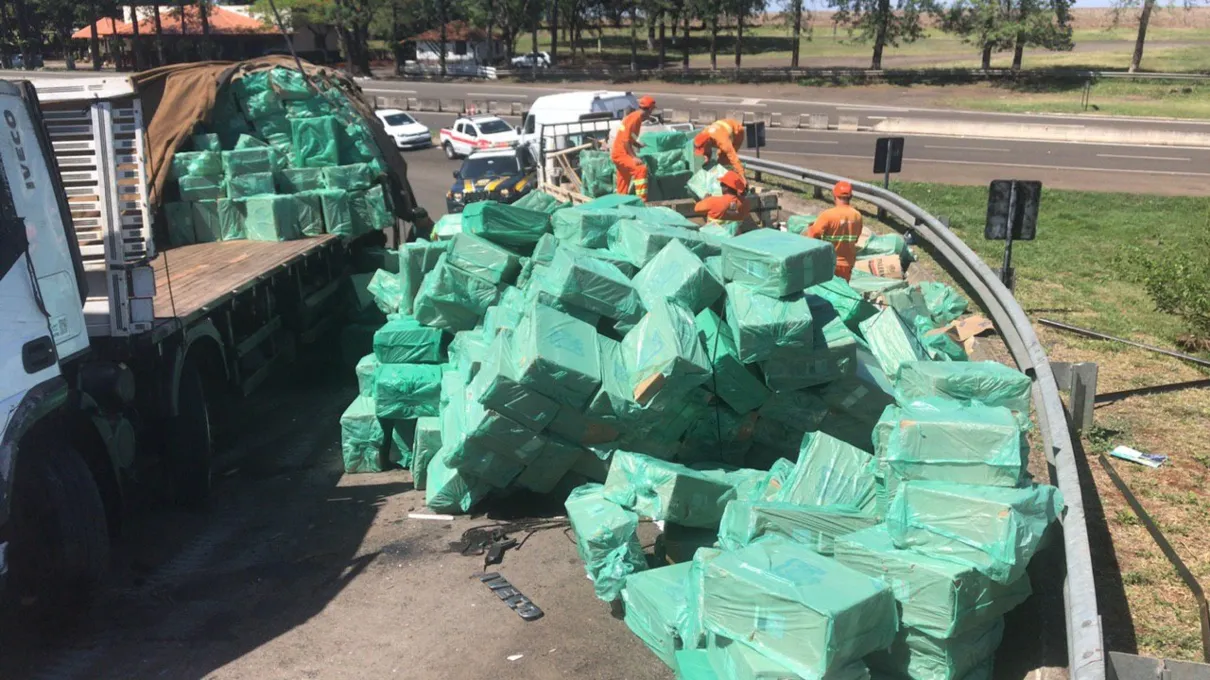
(29, 27)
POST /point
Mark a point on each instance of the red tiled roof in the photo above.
(222, 22)
(454, 30)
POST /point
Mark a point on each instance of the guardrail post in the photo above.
(1079, 381)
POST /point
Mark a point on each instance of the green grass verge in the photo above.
(1172, 99)
(1084, 265)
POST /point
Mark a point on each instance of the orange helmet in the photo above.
(646, 102)
(732, 180)
(842, 190)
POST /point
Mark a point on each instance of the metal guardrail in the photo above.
(787, 73)
(1085, 647)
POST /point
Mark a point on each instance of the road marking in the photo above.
(870, 108)
(1144, 158)
(1171, 173)
(965, 148)
(497, 94)
(804, 141)
(379, 89)
(751, 102)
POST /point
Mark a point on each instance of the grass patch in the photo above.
(1110, 97)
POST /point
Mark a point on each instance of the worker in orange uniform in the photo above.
(724, 136)
(840, 226)
(731, 206)
(630, 170)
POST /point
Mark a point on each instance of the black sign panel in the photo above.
(1024, 205)
(756, 134)
(888, 155)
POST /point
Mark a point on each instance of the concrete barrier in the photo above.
(453, 105)
(775, 120)
(516, 108)
(427, 104)
(677, 116)
(499, 108)
(760, 117)
(1044, 132)
(847, 123)
(707, 116)
(478, 106)
(413, 104)
(817, 121)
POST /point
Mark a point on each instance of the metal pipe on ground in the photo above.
(1102, 336)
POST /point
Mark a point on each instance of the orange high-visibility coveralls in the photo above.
(724, 136)
(629, 169)
(840, 226)
(724, 208)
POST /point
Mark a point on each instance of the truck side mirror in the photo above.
(455, 174)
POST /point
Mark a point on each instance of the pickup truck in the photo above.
(475, 133)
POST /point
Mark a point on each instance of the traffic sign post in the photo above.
(755, 133)
(1012, 215)
(888, 158)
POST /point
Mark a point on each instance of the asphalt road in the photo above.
(950, 160)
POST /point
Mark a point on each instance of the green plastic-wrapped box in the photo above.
(207, 142)
(405, 391)
(244, 161)
(449, 490)
(721, 434)
(760, 324)
(986, 382)
(847, 303)
(584, 227)
(891, 341)
(338, 213)
(206, 225)
(606, 539)
(664, 353)
(705, 181)
(384, 286)
(611, 201)
(936, 596)
(308, 207)
(484, 259)
(943, 441)
(250, 184)
(497, 386)
(425, 445)
(348, 177)
(250, 142)
(625, 266)
(201, 187)
(865, 283)
(361, 436)
(296, 180)
(272, 218)
(314, 142)
(614, 401)
(541, 202)
(179, 219)
(677, 273)
(662, 215)
(733, 660)
(834, 357)
(490, 447)
(639, 241)
(662, 490)
(366, 368)
(777, 263)
(735, 383)
(801, 609)
(505, 224)
(404, 340)
(816, 527)
(415, 261)
(693, 630)
(830, 472)
(655, 605)
(452, 299)
(232, 219)
(996, 531)
(916, 655)
(556, 458)
(196, 164)
(557, 356)
(694, 664)
(944, 303)
(592, 284)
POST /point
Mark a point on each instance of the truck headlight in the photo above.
(457, 197)
(505, 193)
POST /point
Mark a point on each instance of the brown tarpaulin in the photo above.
(176, 98)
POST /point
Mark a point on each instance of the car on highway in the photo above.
(407, 132)
(527, 60)
(502, 175)
(474, 133)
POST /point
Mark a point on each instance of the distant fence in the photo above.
(452, 68)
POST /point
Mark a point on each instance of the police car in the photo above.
(502, 175)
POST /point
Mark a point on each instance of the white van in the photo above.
(560, 121)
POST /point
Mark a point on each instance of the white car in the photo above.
(405, 130)
(527, 60)
(475, 133)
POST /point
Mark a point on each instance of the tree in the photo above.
(1041, 23)
(1144, 18)
(741, 9)
(634, 40)
(794, 17)
(983, 23)
(61, 17)
(884, 22)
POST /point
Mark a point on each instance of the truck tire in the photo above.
(189, 443)
(60, 539)
(449, 151)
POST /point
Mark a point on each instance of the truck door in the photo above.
(41, 293)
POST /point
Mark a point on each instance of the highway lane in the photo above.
(1090, 167)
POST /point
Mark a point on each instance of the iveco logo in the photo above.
(11, 121)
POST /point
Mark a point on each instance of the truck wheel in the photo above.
(189, 451)
(60, 540)
(449, 151)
